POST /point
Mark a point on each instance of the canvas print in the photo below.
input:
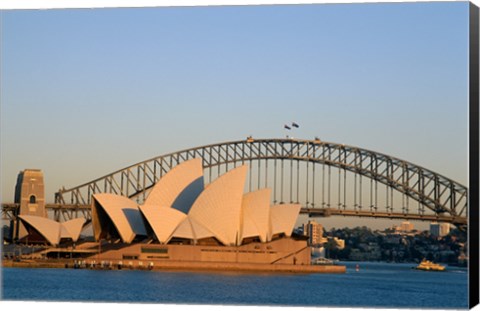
(270, 155)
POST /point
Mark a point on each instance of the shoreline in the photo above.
(179, 266)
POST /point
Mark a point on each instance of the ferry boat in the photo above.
(427, 265)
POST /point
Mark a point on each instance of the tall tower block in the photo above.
(30, 193)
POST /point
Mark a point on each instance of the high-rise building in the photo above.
(439, 229)
(314, 231)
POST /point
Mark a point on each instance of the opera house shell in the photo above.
(43, 230)
(184, 219)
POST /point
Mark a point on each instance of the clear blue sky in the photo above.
(86, 92)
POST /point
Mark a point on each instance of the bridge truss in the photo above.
(326, 178)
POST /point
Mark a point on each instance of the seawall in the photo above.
(179, 265)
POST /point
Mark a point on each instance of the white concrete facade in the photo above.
(221, 210)
(163, 220)
(256, 215)
(180, 187)
(72, 228)
(123, 213)
(54, 231)
(192, 230)
(218, 207)
(283, 217)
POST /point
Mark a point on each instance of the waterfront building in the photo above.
(182, 219)
(406, 226)
(314, 231)
(439, 229)
(334, 242)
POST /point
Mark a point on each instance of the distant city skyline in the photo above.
(88, 92)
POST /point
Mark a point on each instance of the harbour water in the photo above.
(374, 285)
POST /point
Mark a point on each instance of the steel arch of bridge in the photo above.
(277, 158)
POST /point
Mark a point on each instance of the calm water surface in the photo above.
(375, 285)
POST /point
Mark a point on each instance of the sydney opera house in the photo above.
(184, 220)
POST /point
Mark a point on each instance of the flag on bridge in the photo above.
(295, 124)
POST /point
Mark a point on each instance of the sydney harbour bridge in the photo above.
(327, 179)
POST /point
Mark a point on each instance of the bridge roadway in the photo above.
(9, 211)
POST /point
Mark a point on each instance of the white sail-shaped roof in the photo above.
(64, 233)
(123, 213)
(48, 228)
(180, 187)
(53, 231)
(283, 218)
(218, 208)
(199, 231)
(184, 230)
(256, 215)
(163, 220)
(191, 229)
(22, 231)
(72, 228)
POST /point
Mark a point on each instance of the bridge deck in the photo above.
(9, 208)
(325, 212)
